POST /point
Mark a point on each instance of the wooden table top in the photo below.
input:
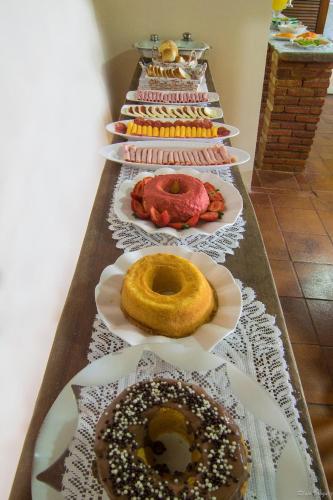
(69, 351)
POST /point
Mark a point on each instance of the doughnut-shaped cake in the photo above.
(180, 195)
(167, 439)
(167, 295)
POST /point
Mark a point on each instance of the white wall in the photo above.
(237, 30)
(53, 109)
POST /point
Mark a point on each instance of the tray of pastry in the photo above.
(162, 77)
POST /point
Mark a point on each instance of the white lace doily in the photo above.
(130, 237)
(255, 347)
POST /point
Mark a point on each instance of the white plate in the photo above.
(232, 197)
(108, 298)
(114, 152)
(312, 47)
(233, 131)
(278, 36)
(212, 97)
(60, 422)
(218, 113)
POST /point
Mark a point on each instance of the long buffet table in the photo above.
(69, 352)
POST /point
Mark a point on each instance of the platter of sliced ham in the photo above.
(172, 97)
(157, 154)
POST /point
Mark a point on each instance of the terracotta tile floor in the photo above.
(295, 214)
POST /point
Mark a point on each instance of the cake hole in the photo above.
(176, 454)
(167, 442)
(166, 281)
(175, 187)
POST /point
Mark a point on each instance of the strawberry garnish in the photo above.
(159, 219)
(216, 206)
(178, 225)
(146, 180)
(209, 187)
(193, 221)
(137, 192)
(121, 128)
(138, 209)
(209, 216)
(222, 131)
(215, 196)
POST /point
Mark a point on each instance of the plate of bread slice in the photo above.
(166, 111)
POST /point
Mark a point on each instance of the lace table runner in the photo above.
(255, 347)
(130, 237)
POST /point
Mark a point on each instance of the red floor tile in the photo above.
(314, 373)
(298, 320)
(327, 219)
(329, 165)
(323, 140)
(260, 199)
(277, 180)
(309, 248)
(321, 312)
(322, 422)
(266, 218)
(294, 200)
(326, 152)
(323, 200)
(285, 278)
(303, 182)
(317, 166)
(316, 280)
(320, 182)
(299, 221)
(275, 245)
(303, 204)
(255, 179)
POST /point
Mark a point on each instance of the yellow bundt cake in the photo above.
(167, 295)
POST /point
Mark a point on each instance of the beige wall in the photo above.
(53, 110)
(236, 29)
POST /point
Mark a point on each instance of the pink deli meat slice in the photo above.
(165, 157)
(154, 155)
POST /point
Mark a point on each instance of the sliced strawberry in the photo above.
(193, 221)
(146, 180)
(159, 219)
(137, 192)
(209, 216)
(209, 187)
(121, 128)
(216, 206)
(138, 209)
(178, 225)
(222, 131)
(165, 218)
(215, 196)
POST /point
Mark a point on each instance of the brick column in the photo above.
(296, 94)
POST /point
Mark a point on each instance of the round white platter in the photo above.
(115, 152)
(61, 420)
(233, 131)
(232, 198)
(108, 300)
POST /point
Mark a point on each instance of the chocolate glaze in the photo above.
(211, 416)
